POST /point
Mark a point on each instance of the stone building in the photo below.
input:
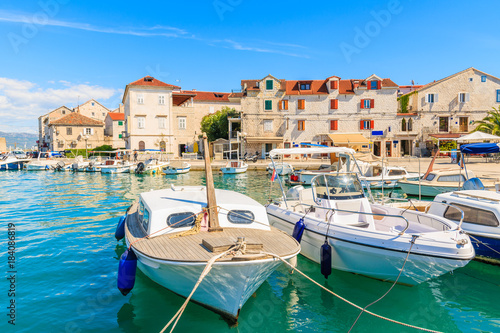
(75, 131)
(114, 128)
(446, 109)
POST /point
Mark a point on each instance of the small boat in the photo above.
(150, 166)
(481, 217)
(173, 238)
(11, 161)
(116, 166)
(387, 176)
(42, 163)
(338, 223)
(233, 167)
(282, 168)
(176, 168)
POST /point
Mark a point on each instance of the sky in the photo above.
(65, 52)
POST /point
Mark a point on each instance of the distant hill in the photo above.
(19, 139)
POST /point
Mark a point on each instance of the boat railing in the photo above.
(462, 214)
(363, 213)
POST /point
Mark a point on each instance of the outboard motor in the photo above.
(59, 166)
(140, 168)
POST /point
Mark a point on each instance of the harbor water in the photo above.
(66, 262)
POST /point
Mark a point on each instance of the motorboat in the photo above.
(481, 216)
(387, 176)
(11, 161)
(174, 235)
(367, 238)
(116, 166)
(152, 165)
(234, 166)
(282, 168)
(176, 168)
(43, 162)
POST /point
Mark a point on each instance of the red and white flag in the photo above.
(274, 175)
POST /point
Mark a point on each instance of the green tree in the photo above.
(491, 123)
(216, 124)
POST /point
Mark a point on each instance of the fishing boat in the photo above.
(174, 235)
(116, 166)
(234, 167)
(387, 176)
(282, 168)
(340, 228)
(11, 161)
(177, 168)
(43, 162)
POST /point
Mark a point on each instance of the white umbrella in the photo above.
(478, 136)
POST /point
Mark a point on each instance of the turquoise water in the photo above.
(67, 260)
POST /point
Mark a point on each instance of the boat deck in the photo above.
(190, 248)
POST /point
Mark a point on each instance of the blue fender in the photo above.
(126, 272)
(120, 228)
(326, 259)
(298, 230)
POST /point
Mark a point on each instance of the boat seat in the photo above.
(352, 219)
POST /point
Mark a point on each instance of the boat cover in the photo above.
(480, 148)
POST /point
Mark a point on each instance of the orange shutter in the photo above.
(286, 104)
(302, 104)
(334, 125)
(372, 103)
(379, 84)
(334, 84)
(362, 103)
(372, 124)
(334, 104)
(361, 124)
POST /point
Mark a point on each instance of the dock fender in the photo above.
(126, 272)
(120, 228)
(326, 259)
(298, 229)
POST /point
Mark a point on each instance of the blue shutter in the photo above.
(498, 96)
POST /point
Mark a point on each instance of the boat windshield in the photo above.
(342, 186)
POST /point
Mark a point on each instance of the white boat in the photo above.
(387, 176)
(116, 166)
(366, 238)
(481, 217)
(182, 239)
(282, 168)
(150, 166)
(10, 161)
(233, 167)
(176, 168)
(43, 162)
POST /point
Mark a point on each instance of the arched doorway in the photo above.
(142, 145)
(163, 146)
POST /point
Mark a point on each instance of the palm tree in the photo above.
(491, 123)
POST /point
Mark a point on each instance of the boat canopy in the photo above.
(310, 150)
(480, 148)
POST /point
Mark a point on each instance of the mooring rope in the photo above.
(482, 243)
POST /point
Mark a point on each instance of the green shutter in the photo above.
(269, 84)
(120, 123)
(269, 105)
(119, 136)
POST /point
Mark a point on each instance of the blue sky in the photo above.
(56, 52)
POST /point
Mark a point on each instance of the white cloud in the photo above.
(22, 102)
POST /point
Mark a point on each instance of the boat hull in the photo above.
(12, 166)
(115, 169)
(487, 247)
(224, 290)
(233, 170)
(426, 190)
(377, 260)
(175, 171)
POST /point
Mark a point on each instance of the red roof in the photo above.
(318, 87)
(346, 87)
(116, 116)
(151, 81)
(209, 96)
(76, 119)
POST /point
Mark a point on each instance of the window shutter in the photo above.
(335, 125)
(372, 103)
(334, 84)
(286, 104)
(372, 124)
(332, 125)
(91, 131)
(379, 84)
(427, 98)
(467, 97)
(369, 85)
(361, 124)
(334, 104)
(280, 105)
(435, 98)
(362, 103)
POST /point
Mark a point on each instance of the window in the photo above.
(443, 124)
(452, 178)
(103, 114)
(93, 114)
(268, 125)
(140, 99)
(410, 125)
(396, 172)
(463, 124)
(334, 104)
(367, 103)
(374, 85)
(162, 123)
(182, 122)
(63, 111)
(430, 176)
(88, 131)
(334, 125)
(161, 99)
(283, 104)
(120, 123)
(305, 86)
(471, 215)
(463, 97)
(240, 216)
(431, 98)
(211, 109)
(483, 78)
(334, 85)
(268, 105)
(180, 220)
(366, 124)
(269, 84)
(498, 96)
(301, 125)
(92, 103)
(302, 104)
(69, 131)
(120, 136)
(403, 125)
(141, 122)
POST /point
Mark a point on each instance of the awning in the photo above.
(264, 139)
(349, 139)
(310, 150)
(446, 136)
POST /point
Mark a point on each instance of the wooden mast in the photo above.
(213, 217)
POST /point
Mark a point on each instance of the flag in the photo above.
(274, 175)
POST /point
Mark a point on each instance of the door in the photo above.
(142, 145)
(376, 148)
(406, 147)
(388, 148)
(463, 123)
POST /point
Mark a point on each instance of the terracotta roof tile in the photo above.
(76, 119)
(318, 87)
(116, 116)
(209, 96)
(346, 87)
(151, 81)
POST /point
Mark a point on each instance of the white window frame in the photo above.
(141, 122)
(434, 98)
(367, 103)
(268, 125)
(88, 131)
(140, 99)
(463, 97)
(162, 124)
(182, 122)
(161, 99)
